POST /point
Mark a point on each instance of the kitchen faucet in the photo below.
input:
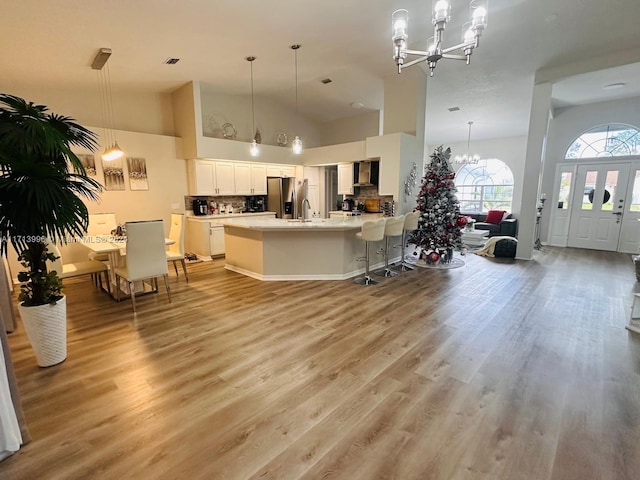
(305, 212)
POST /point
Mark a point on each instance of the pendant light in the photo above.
(254, 150)
(113, 150)
(297, 143)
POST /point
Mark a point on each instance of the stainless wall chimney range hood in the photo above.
(365, 173)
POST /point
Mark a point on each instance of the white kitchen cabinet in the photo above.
(208, 177)
(345, 179)
(281, 171)
(258, 179)
(202, 177)
(216, 240)
(225, 178)
(314, 198)
(250, 178)
(312, 174)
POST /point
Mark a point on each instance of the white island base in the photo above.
(278, 249)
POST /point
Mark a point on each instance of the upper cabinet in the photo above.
(214, 177)
(281, 171)
(207, 177)
(250, 178)
(345, 179)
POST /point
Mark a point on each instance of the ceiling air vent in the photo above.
(326, 81)
(454, 109)
(171, 61)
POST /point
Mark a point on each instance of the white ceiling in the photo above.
(53, 43)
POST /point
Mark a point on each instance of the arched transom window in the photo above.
(487, 185)
(614, 140)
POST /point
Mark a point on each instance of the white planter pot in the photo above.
(46, 327)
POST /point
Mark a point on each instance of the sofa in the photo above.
(506, 226)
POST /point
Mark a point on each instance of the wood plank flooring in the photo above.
(498, 370)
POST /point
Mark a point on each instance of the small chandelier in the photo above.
(254, 150)
(297, 143)
(113, 150)
(472, 31)
(467, 158)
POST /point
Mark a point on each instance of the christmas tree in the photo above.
(438, 233)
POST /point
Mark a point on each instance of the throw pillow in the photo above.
(494, 216)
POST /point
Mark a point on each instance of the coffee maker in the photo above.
(200, 206)
(255, 204)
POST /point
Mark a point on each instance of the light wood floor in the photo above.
(497, 370)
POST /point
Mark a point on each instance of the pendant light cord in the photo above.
(296, 63)
(469, 139)
(253, 110)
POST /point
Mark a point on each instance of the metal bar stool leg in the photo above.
(367, 279)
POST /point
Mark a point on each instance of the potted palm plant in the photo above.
(42, 184)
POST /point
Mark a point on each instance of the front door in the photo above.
(598, 206)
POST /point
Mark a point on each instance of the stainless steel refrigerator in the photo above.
(285, 196)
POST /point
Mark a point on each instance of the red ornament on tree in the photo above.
(434, 257)
(462, 221)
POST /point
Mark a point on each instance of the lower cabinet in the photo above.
(216, 240)
(204, 236)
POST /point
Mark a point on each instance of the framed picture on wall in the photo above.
(137, 173)
(113, 174)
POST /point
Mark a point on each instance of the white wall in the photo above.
(568, 123)
(511, 151)
(135, 112)
(271, 119)
(351, 129)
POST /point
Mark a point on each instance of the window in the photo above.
(487, 185)
(614, 140)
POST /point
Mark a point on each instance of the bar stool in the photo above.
(393, 228)
(371, 231)
(410, 224)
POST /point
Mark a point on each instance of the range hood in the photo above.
(365, 173)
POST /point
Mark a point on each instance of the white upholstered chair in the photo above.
(371, 231)
(175, 252)
(393, 228)
(76, 269)
(146, 257)
(101, 224)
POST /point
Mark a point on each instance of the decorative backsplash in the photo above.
(237, 201)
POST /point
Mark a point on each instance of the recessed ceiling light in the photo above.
(356, 105)
(614, 86)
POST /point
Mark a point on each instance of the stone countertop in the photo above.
(280, 224)
(208, 218)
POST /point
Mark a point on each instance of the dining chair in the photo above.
(101, 224)
(77, 269)
(146, 257)
(175, 252)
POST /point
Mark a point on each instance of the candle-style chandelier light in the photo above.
(467, 158)
(472, 31)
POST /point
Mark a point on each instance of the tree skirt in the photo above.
(414, 260)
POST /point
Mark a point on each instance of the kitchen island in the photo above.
(278, 249)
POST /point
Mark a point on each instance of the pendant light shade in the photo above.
(254, 149)
(113, 150)
(297, 142)
(297, 145)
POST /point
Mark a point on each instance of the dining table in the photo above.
(116, 248)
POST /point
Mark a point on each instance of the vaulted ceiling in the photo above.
(53, 43)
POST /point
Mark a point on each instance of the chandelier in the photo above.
(467, 158)
(472, 31)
